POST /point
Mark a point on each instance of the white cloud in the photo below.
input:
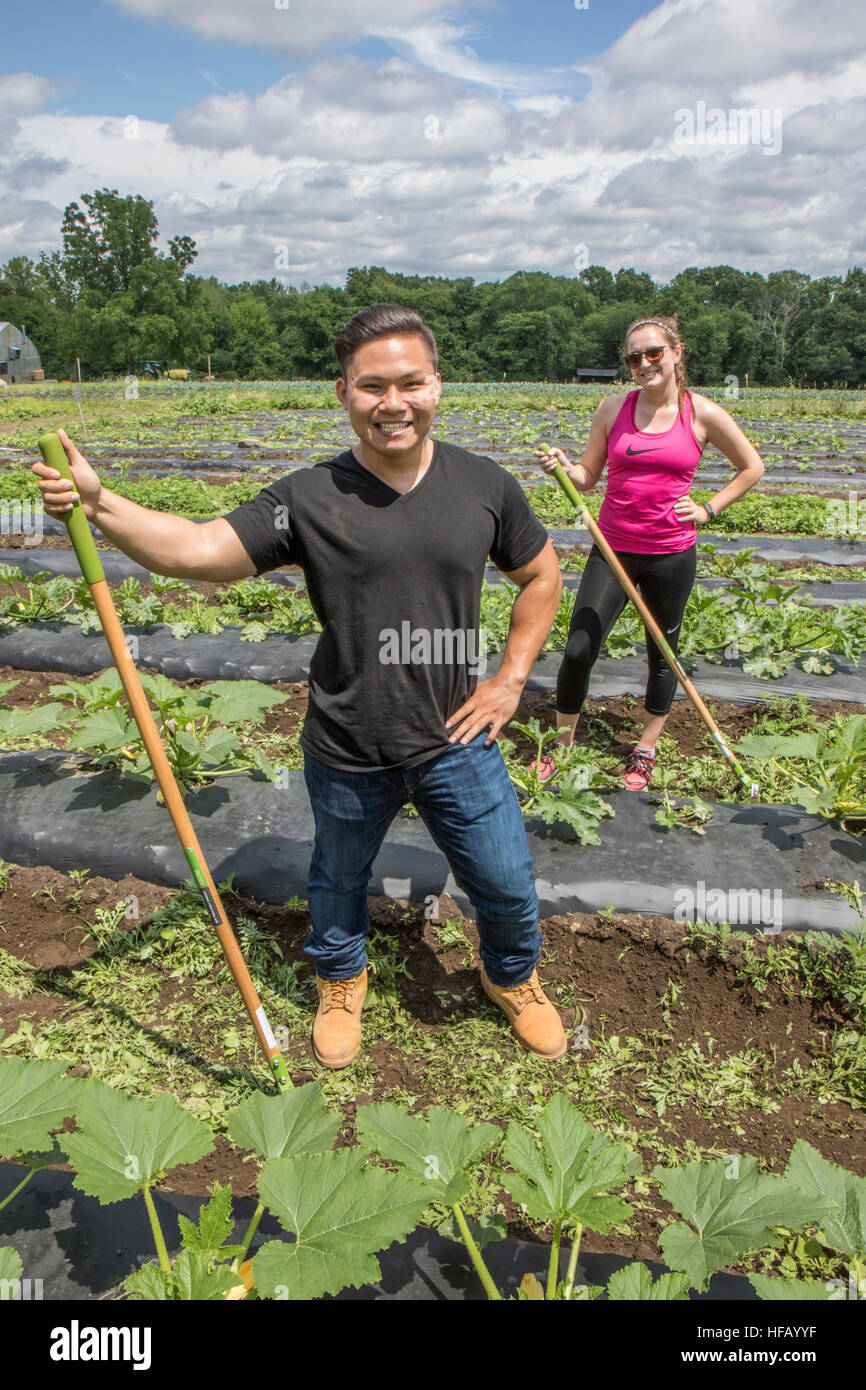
(343, 109)
(298, 27)
(734, 41)
(22, 92)
(466, 169)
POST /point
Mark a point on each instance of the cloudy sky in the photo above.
(302, 137)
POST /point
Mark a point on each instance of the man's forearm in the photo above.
(161, 542)
(531, 620)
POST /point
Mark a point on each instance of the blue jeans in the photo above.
(466, 800)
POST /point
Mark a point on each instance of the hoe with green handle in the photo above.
(91, 567)
(652, 626)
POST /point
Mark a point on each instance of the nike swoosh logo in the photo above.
(654, 450)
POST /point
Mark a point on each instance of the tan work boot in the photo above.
(337, 1025)
(531, 1015)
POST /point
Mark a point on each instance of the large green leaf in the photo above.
(162, 691)
(219, 745)
(10, 1271)
(771, 1288)
(109, 729)
(636, 1282)
(581, 810)
(733, 1210)
(598, 1213)
(341, 1213)
(234, 701)
(294, 1122)
(35, 1098)
(852, 736)
(572, 1162)
(14, 722)
(779, 745)
(844, 1224)
(439, 1149)
(125, 1143)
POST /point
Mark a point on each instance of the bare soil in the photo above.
(618, 969)
(622, 714)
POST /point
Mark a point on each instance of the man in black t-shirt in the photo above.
(393, 536)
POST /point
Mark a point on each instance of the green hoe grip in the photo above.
(54, 455)
(567, 486)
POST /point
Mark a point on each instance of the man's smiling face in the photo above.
(391, 392)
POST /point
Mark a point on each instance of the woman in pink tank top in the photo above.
(652, 441)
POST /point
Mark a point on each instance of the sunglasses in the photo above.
(653, 354)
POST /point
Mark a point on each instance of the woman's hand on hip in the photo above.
(686, 510)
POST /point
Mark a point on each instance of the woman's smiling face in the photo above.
(649, 338)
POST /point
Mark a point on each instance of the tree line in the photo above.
(112, 299)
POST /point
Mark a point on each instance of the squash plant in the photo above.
(828, 765)
(575, 800)
(341, 1207)
(191, 723)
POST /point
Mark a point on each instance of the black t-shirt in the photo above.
(395, 580)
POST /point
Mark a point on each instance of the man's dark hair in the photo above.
(381, 321)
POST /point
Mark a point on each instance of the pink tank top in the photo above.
(646, 473)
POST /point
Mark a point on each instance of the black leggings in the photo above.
(664, 582)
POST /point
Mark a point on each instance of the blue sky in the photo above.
(92, 51)
(477, 137)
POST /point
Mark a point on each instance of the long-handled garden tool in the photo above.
(91, 567)
(652, 626)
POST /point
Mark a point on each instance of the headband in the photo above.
(643, 321)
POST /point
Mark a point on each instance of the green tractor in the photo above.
(149, 369)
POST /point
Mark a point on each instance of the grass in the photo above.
(155, 1006)
(16, 976)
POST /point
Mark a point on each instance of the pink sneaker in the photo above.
(546, 767)
(638, 769)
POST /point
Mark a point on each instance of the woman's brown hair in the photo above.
(672, 332)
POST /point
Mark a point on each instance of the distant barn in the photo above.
(19, 360)
(595, 374)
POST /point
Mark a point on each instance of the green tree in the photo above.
(635, 285)
(600, 283)
(103, 244)
(253, 343)
(779, 313)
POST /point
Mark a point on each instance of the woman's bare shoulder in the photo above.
(705, 409)
(609, 406)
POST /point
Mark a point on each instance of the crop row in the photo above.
(752, 618)
(216, 728)
(341, 1206)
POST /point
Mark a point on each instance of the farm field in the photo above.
(701, 1040)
